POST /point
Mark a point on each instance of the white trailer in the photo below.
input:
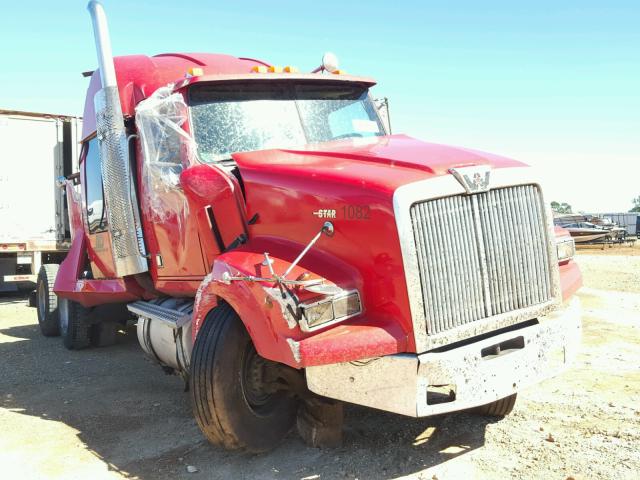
(35, 150)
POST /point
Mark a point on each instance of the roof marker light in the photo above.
(290, 69)
(195, 72)
(259, 69)
(275, 69)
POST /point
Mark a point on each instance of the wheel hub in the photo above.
(254, 387)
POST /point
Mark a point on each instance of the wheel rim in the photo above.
(63, 306)
(254, 388)
(41, 301)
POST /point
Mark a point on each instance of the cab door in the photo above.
(176, 252)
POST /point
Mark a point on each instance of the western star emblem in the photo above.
(473, 179)
(325, 213)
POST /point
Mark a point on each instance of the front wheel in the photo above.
(499, 408)
(234, 403)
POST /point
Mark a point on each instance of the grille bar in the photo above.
(481, 255)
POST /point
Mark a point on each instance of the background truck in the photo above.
(283, 254)
(36, 149)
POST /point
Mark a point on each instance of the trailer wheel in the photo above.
(233, 405)
(499, 408)
(47, 301)
(75, 326)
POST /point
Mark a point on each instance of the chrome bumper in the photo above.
(401, 383)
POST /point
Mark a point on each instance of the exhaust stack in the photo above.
(129, 255)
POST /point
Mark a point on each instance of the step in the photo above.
(175, 318)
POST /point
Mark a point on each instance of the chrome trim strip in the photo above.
(444, 186)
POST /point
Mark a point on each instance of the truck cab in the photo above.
(282, 252)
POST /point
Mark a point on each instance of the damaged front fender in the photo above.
(272, 318)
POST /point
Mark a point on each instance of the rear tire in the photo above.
(229, 403)
(75, 324)
(105, 333)
(499, 408)
(47, 300)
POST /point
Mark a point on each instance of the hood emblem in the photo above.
(473, 179)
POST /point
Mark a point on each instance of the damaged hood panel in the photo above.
(384, 162)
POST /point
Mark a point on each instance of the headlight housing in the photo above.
(330, 310)
(566, 248)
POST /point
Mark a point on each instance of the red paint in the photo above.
(214, 195)
(282, 189)
(91, 292)
(139, 76)
(570, 279)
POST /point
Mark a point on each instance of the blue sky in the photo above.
(555, 84)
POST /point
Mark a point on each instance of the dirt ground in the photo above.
(109, 413)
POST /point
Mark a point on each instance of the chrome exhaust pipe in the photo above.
(103, 44)
(122, 213)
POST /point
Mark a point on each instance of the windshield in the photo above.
(239, 117)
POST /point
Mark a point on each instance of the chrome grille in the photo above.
(481, 255)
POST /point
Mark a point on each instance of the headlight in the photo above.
(566, 249)
(330, 310)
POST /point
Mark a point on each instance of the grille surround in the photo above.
(447, 186)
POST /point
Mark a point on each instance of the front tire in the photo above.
(499, 408)
(47, 301)
(232, 404)
(75, 324)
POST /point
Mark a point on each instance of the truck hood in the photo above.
(390, 160)
(290, 193)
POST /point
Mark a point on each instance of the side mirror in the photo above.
(382, 106)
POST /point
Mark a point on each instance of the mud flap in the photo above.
(320, 422)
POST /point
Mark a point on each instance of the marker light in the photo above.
(259, 69)
(275, 69)
(195, 72)
(338, 72)
(290, 69)
(330, 62)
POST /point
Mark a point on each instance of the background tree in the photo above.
(562, 207)
(636, 204)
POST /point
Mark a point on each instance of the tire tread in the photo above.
(49, 326)
(219, 405)
(499, 408)
(79, 330)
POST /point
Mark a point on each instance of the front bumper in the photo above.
(478, 373)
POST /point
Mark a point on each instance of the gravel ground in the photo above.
(109, 413)
(613, 268)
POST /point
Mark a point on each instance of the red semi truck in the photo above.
(283, 253)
